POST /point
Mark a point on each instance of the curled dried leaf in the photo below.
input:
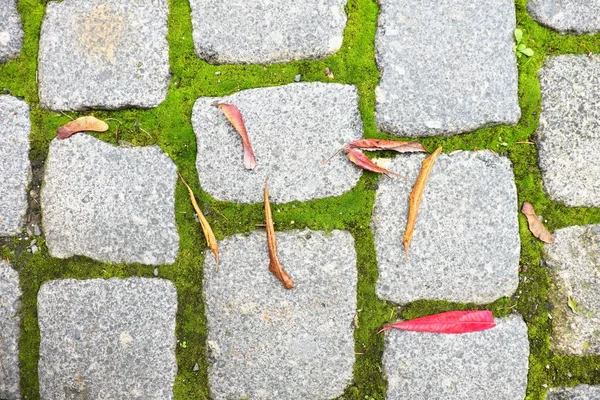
(234, 116)
(328, 73)
(358, 158)
(535, 225)
(394, 145)
(448, 322)
(91, 124)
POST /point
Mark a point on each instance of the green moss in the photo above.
(169, 127)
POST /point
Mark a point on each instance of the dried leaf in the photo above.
(358, 158)
(274, 264)
(395, 145)
(573, 305)
(211, 240)
(82, 124)
(448, 322)
(233, 115)
(329, 73)
(535, 225)
(414, 200)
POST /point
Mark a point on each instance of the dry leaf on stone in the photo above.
(274, 264)
(90, 124)
(211, 240)
(394, 145)
(358, 158)
(448, 322)
(535, 225)
(233, 115)
(414, 200)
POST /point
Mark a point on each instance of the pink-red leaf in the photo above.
(394, 145)
(234, 116)
(448, 322)
(358, 158)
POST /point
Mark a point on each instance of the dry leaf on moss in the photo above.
(394, 145)
(233, 115)
(82, 124)
(358, 158)
(535, 225)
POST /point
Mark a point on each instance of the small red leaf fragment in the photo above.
(233, 115)
(535, 225)
(394, 145)
(358, 158)
(453, 322)
(82, 124)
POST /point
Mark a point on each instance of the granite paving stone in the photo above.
(104, 54)
(109, 203)
(574, 265)
(107, 339)
(567, 16)
(579, 392)
(10, 328)
(267, 31)
(293, 129)
(15, 170)
(465, 246)
(568, 134)
(446, 67)
(266, 342)
(11, 30)
(490, 364)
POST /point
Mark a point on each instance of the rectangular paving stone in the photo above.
(15, 170)
(490, 364)
(107, 339)
(266, 31)
(109, 203)
(567, 16)
(465, 246)
(10, 329)
(568, 135)
(446, 67)
(574, 265)
(293, 129)
(266, 342)
(104, 54)
(11, 30)
(579, 392)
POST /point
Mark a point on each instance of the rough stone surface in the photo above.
(567, 16)
(10, 328)
(266, 342)
(489, 364)
(292, 129)
(466, 245)
(579, 392)
(11, 31)
(109, 203)
(568, 133)
(107, 339)
(15, 171)
(266, 31)
(106, 54)
(574, 261)
(446, 66)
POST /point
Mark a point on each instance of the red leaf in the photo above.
(395, 145)
(233, 115)
(448, 322)
(358, 158)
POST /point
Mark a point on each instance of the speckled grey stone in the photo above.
(106, 54)
(10, 328)
(266, 342)
(109, 203)
(292, 129)
(574, 265)
(567, 16)
(579, 392)
(266, 31)
(568, 134)
(107, 339)
(465, 246)
(15, 171)
(490, 364)
(11, 31)
(446, 66)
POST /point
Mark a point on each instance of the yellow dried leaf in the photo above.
(80, 125)
(535, 225)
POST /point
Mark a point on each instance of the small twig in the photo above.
(67, 115)
(147, 133)
(113, 119)
(590, 54)
(335, 154)
(524, 143)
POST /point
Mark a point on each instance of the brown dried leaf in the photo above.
(234, 116)
(535, 225)
(395, 145)
(82, 124)
(274, 264)
(329, 73)
(414, 200)
(211, 240)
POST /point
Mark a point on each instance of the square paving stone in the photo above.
(11, 30)
(266, 342)
(10, 328)
(109, 203)
(446, 66)
(15, 171)
(490, 364)
(293, 129)
(465, 246)
(568, 134)
(579, 392)
(267, 31)
(104, 54)
(107, 339)
(574, 261)
(567, 16)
